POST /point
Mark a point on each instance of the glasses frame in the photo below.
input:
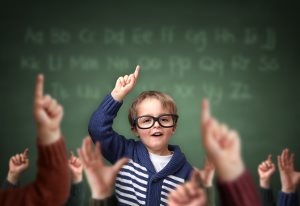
(156, 119)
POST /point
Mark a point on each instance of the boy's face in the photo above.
(157, 137)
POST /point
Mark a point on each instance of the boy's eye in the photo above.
(165, 119)
(145, 120)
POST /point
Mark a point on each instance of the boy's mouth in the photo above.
(157, 134)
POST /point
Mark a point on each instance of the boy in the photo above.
(155, 168)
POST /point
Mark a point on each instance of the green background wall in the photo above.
(242, 56)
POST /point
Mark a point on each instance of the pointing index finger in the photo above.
(137, 71)
(205, 111)
(39, 86)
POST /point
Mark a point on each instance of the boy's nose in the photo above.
(156, 124)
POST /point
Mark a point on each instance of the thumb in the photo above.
(119, 164)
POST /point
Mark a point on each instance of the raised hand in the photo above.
(265, 171)
(222, 146)
(188, 194)
(76, 168)
(207, 174)
(125, 84)
(47, 113)
(288, 176)
(101, 178)
(17, 165)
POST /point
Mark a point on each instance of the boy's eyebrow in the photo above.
(155, 115)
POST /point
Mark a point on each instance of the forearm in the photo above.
(100, 129)
(53, 178)
(76, 195)
(100, 124)
(241, 191)
(267, 197)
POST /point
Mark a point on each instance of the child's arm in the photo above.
(289, 179)
(17, 165)
(53, 178)
(223, 148)
(76, 192)
(52, 182)
(265, 171)
(100, 125)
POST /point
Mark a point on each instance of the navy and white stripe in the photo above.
(132, 183)
(169, 184)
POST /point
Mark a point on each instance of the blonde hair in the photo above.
(166, 101)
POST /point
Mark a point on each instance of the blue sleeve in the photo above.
(287, 199)
(113, 145)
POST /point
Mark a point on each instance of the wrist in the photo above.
(207, 183)
(100, 195)
(229, 171)
(288, 189)
(76, 180)
(264, 184)
(117, 96)
(47, 136)
(13, 177)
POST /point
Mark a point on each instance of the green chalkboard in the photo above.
(242, 56)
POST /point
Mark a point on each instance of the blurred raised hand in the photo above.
(100, 178)
(288, 176)
(265, 171)
(47, 113)
(17, 165)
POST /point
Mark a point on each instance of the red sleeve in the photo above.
(52, 183)
(241, 191)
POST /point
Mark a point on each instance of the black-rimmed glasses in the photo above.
(164, 120)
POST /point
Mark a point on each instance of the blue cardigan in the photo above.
(137, 183)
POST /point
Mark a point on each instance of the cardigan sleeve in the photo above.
(113, 145)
